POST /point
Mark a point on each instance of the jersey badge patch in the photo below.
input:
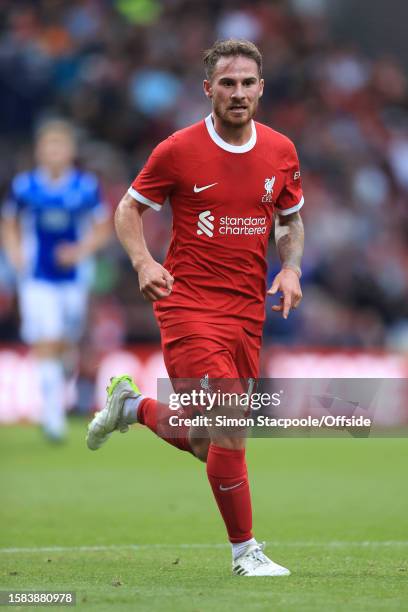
(269, 183)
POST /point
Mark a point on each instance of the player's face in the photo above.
(55, 149)
(235, 89)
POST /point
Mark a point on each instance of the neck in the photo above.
(55, 172)
(233, 134)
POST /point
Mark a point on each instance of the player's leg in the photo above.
(125, 406)
(181, 346)
(185, 356)
(42, 330)
(52, 383)
(207, 352)
(73, 305)
(248, 556)
(227, 470)
(228, 477)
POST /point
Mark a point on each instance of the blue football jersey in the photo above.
(53, 213)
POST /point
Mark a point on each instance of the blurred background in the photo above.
(127, 73)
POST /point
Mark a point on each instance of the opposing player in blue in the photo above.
(53, 221)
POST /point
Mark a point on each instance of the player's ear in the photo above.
(207, 88)
(261, 87)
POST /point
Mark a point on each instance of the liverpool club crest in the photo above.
(269, 183)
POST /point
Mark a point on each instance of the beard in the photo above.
(238, 120)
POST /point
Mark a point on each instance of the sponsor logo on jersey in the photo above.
(269, 183)
(54, 220)
(296, 175)
(231, 226)
(205, 224)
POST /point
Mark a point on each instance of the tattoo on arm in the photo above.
(289, 238)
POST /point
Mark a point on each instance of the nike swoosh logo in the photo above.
(229, 488)
(198, 189)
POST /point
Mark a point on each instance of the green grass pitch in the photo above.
(134, 526)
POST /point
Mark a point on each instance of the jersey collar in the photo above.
(226, 145)
(43, 177)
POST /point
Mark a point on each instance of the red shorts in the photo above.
(195, 349)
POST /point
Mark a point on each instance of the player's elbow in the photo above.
(285, 220)
(128, 206)
(122, 211)
(123, 205)
(105, 232)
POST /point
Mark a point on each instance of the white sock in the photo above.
(51, 374)
(238, 549)
(130, 409)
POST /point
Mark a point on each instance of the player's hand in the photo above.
(155, 282)
(68, 254)
(287, 282)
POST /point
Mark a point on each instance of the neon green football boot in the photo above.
(111, 417)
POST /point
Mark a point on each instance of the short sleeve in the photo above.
(14, 201)
(291, 199)
(94, 202)
(155, 182)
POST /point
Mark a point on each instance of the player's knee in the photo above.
(47, 350)
(200, 448)
(230, 442)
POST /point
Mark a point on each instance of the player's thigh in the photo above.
(41, 315)
(203, 356)
(197, 356)
(248, 354)
(73, 303)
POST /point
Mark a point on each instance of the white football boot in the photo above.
(253, 562)
(111, 417)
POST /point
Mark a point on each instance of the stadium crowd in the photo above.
(128, 73)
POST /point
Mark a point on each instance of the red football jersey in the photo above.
(223, 199)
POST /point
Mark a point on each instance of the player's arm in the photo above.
(97, 237)
(70, 254)
(289, 238)
(155, 282)
(11, 238)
